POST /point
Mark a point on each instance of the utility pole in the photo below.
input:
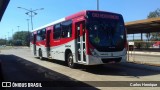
(5, 40)
(97, 4)
(18, 28)
(12, 33)
(8, 36)
(28, 36)
(12, 37)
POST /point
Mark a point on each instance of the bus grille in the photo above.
(107, 60)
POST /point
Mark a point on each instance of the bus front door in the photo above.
(80, 42)
(48, 42)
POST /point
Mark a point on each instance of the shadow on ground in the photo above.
(113, 69)
(16, 69)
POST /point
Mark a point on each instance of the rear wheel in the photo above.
(40, 55)
(70, 61)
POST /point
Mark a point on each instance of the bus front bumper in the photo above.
(93, 60)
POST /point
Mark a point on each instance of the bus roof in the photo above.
(81, 13)
(52, 23)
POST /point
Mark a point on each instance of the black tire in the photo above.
(40, 55)
(70, 62)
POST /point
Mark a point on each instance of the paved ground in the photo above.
(19, 65)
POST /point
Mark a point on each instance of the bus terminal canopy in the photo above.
(3, 6)
(143, 26)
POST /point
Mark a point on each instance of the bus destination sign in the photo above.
(102, 15)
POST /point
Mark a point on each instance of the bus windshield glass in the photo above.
(106, 34)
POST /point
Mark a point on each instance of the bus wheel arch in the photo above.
(69, 58)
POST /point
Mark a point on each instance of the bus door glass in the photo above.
(48, 42)
(80, 41)
(34, 43)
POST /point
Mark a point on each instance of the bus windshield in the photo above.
(106, 34)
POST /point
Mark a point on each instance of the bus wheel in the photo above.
(70, 62)
(40, 55)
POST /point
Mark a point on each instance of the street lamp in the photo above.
(97, 4)
(8, 39)
(18, 28)
(18, 32)
(31, 13)
(12, 33)
(5, 40)
(12, 37)
(28, 24)
(28, 36)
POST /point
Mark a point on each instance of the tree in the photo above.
(154, 14)
(21, 38)
(3, 42)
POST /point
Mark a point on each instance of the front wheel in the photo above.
(70, 61)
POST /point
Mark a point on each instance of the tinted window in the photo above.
(66, 29)
(41, 35)
(57, 31)
(106, 34)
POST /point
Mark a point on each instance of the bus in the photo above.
(87, 37)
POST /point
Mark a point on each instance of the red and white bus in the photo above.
(87, 37)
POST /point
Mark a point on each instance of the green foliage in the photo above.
(154, 14)
(3, 42)
(21, 38)
(154, 36)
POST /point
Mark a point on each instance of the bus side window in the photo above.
(38, 35)
(57, 31)
(66, 29)
(43, 35)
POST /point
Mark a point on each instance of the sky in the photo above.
(56, 9)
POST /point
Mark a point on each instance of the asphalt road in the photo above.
(19, 65)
